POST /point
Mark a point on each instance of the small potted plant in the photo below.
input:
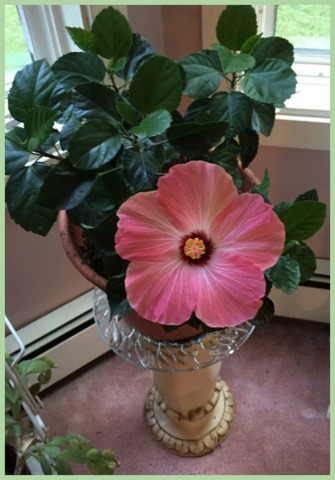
(25, 440)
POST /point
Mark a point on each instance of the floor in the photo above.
(280, 381)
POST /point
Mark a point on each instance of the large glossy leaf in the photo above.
(235, 25)
(153, 124)
(39, 126)
(21, 193)
(141, 168)
(273, 47)
(77, 67)
(227, 160)
(64, 187)
(109, 189)
(84, 39)
(94, 144)
(303, 219)
(307, 262)
(16, 150)
(157, 84)
(195, 139)
(140, 49)
(249, 142)
(33, 85)
(95, 101)
(202, 75)
(113, 34)
(102, 235)
(232, 63)
(273, 81)
(263, 117)
(285, 274)
(239, 112)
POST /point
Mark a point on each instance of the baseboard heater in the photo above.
(66, 335)
(70, 338)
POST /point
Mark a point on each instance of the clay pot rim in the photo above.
(68, 233)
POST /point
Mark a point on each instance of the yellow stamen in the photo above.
(194, 248)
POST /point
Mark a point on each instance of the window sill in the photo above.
(297, 131)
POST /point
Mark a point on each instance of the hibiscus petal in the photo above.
(249, 227)
(162, 292)
(144, 232)
(192, 194)
(230, 291)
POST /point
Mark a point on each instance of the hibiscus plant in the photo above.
(101, 128)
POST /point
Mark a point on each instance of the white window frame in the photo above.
(311, 73)
(299, 130)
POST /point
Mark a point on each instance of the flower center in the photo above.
(194, 248)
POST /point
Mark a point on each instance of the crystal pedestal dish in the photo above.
(189, 409)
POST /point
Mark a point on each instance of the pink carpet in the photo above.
(280, 381)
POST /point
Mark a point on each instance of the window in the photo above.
(17, 53)
(307, 27)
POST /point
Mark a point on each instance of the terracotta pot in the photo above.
(72, 240)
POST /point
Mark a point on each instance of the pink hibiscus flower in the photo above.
(196, 245)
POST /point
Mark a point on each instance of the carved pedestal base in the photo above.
(180, 419)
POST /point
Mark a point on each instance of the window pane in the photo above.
(16, 51)
(306, 26)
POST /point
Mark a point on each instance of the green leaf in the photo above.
(16, 150)
(141, 168)
(39, 125)
(232, 63)
(73, 455)
(157, 85)
(33, 85)
(281, 206)
(11, 394)
(285, 274)
(273, 81)
(84, 39)
(228, 161)
(263, 187)
(140, 49)
(62, 467)
(309, 195)
(64, 187)
(113, 34)
(305, 257)
(249, 142)
(202, 75)
(273, 47)
(45, 465)
(109, 189)
(195, 139)
(153, 124)
(265, 314)
(303, 219)
(94, 144)
(21, 193)
(27, 367)
(116, 294)
(77, 67)
(262, 118)
(239, 111)
(235, 25)
(95, 101)
(250, 43)
(102, 235)
(128, 113)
